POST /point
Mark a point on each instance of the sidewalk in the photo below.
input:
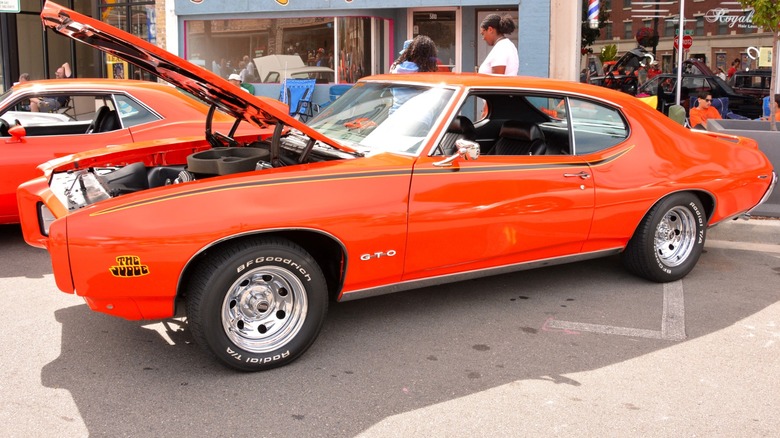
(760, 231)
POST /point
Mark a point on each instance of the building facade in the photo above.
(25, 47)
(720, 31)
(358, 37)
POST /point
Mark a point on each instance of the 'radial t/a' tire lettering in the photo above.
(669, 240)
(257, 304)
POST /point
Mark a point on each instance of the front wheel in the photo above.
(257, 304)
(669, 240)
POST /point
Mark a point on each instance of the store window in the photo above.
(699, 30)
(669, 27)
(138, 17)
(341, 48)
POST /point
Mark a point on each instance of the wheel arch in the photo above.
(328, 251)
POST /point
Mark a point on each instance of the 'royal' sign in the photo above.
(733, 17)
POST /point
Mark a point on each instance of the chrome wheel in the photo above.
(675, 236)
(264, 309)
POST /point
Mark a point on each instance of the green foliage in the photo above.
(608, 53)
(589, 36)
(767, 13)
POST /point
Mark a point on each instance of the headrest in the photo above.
(462, 125)
(517, 130)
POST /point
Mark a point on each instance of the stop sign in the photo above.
(687, 42)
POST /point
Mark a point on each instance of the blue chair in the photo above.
(296, 93)
(766, 110)
(335, 92)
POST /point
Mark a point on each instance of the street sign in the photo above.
(10, 6)
(687, 42)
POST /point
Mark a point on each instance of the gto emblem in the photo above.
(377, 255)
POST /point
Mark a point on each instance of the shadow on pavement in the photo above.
(384, 356)
(20, 259)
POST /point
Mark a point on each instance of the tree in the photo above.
(767, 15)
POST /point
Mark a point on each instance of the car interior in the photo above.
(81, 115)
(525, 124)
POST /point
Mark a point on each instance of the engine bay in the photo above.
(82, 187)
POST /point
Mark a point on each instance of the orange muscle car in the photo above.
(403, 182)
(94, 113)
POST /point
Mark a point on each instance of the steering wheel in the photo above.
(4, 127)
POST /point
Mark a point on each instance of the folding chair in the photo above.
(296, 93)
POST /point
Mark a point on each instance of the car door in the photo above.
(48, 136)
(499, 210)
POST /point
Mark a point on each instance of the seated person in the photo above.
(49, 104)
(705, 111)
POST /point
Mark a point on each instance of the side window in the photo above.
(132, 112)
(595, 126)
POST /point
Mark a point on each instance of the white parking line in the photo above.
(673, 316)
(672, 320)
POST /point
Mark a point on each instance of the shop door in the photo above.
(442, 26)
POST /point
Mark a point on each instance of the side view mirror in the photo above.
(17, 134)
(467, 149)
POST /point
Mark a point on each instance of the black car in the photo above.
(664, 86)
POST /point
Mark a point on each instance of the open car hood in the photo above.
(211, 88)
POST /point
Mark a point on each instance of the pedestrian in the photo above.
(417, 56)
(705, 111)
(654, 70)
(721, 74)
(735, 64)
(235, 79)
(503, 58)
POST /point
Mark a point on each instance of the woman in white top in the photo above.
(502, 59)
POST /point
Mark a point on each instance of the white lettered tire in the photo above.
(669, 240)
(257, 304)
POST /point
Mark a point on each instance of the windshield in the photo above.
(374, 117)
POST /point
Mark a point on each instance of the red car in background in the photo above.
(96, 113)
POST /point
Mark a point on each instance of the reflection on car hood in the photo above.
(208, 86)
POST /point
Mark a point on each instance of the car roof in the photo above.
(756, 72)
(91, 84)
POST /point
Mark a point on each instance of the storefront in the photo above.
(360, 37)
(27, 48)
(353, 37)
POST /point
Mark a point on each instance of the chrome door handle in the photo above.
(583, 175)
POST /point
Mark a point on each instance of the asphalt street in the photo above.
(583, 349)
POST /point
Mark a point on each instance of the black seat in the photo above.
(110, 122)
(101, 114)
(520, 138)
(105, 120)
(460, 128)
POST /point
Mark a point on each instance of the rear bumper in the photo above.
(766, 196)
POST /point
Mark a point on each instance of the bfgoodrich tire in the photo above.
(669, 240)
(257, 304)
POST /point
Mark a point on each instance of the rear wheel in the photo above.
(257, 304)
(669, 240)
